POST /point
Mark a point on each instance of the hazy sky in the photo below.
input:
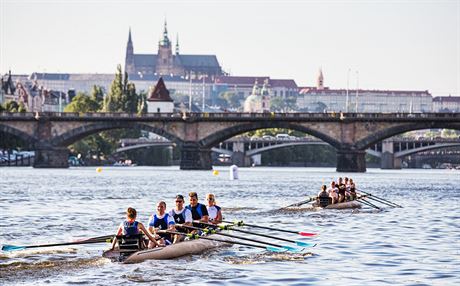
(408, 45)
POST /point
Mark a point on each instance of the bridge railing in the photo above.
(235, 115)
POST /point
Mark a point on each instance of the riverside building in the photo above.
(324, 99)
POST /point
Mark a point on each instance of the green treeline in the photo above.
(122, 97)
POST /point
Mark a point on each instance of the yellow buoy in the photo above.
(98, 169)
(215, 172)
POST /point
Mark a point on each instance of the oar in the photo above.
(382, 199)
(241, 223)
(8, 247)
(374, 199)
(213, 231)
(300, 203)
(196, 236)
(299, 243)
(362, 200)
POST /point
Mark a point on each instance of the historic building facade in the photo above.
(320, 98)
(165, 62)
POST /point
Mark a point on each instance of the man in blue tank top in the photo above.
(199, 211)
(161, 221)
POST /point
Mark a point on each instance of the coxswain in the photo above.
(161, 220)
(323, 199)
(131, 227)
(214, 211)
(181, 215)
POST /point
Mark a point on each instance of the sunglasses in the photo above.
(179, 201)
(210, 199)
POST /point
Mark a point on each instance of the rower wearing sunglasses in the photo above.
(215, 213)
(181, 215)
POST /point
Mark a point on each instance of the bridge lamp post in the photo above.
(348, 85)
(190, 94)
(357, 88)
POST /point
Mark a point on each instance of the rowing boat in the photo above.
(341, 206)
(188, 247)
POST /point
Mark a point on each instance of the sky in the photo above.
(387, 45)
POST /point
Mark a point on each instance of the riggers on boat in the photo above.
(183, 248)
(340, 206)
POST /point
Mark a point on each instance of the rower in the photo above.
(342, 189)
(352, 190)
(161, 221)
(128, 236)
(323, 199)
(181, 215)
(199, 211)
(333, 192)
(215, 212)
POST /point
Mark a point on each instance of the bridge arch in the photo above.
(77, 134)
(404, 153)
(225, 134)
(399, 129)
(29, 140)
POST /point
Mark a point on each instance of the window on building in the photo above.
(158, 109)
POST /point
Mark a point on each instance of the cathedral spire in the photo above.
(320, 80)
(129, 59)
(129, 36)
(165, 40)
(177, 44)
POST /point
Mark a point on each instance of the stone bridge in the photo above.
(350, 134)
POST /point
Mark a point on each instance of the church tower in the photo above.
(129, 59)
(165, 62)
(320, 81)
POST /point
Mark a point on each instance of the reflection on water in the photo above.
(417, 244)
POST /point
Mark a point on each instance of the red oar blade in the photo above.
(307, 233)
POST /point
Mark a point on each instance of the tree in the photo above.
(231, 98)
(82, 103)
(11, 106)
(22, 107)
(97, 95)
(142, 103)
(132, 99)
(114, 100)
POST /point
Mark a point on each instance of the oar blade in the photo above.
(305, 244)
(292, 249)
(307, 233)
(275, 249)
(12, 247)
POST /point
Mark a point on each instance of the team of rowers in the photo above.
(175, 220)
(342, 191)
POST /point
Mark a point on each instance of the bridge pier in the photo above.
(241, 160)
(351, 161)
(195, 157)
(388, 160)
(51, 157)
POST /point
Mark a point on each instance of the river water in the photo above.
(418, 244)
